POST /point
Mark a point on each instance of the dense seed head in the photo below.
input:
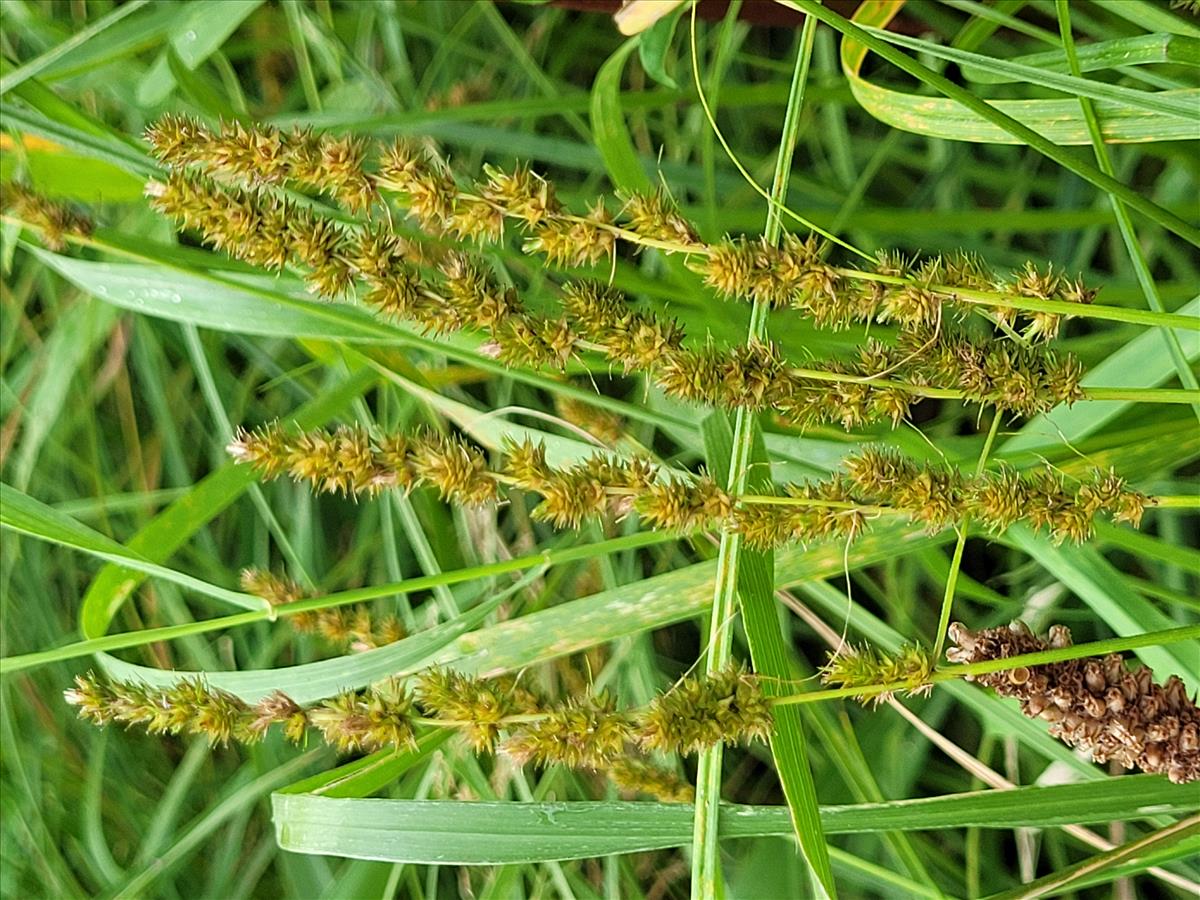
(1096, 704)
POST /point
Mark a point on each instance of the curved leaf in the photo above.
(1061, 121)
(608, 124)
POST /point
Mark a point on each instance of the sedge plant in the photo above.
(548, 477)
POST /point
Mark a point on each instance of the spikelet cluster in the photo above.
(868, 667)
(348, 170)
(353, 626)
(277, 590)
(727, 705)
(260, 227)
(937, 496)
(881, 383)
(351, 722)
(912, 293)
(684, 504)
(876, 481)
(755, 375)
(634, 774)
(349, 461)
(54, 221)
(479, 212)
(1025, 380)
(268, 229)
(792, 274)
(1048, 285)
(568, 241)
(880, 481)
(264, 155)
(1097, 704)
(363, 721)
(188, 707)
(479, 707)
(823, 510)
(595, 487)
(634, 340)
(654, 215)
(585, 732)
(581, 732)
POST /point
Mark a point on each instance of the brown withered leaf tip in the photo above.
(1097, 704)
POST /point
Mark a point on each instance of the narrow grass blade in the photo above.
(1181, 833)
(364, 776)
(21, 513)
(442, 832)
(755, 585)
(27, 70)
(768, 651)
(1141, 49)
(1180, 104)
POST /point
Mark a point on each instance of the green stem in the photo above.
(312, 95)
(1178, 501)
(778, 500)
(1033, 304)
(706, 877)
(1143, 395)
(960, 546)
(1135, 395)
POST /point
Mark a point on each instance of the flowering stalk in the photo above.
(882, 383)
(792, 274)
(275, 232)
(493, 714)
(866, 668)
(1093, 702)
(901, 290)
(898, 289)
(876, 482)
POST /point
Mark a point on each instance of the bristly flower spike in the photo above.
(867, 667)
(478, 706)
(654, 215)
(355, 626)
(260, 154)
(581, 733)
(728, 705)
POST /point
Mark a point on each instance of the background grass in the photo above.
(120, 387)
